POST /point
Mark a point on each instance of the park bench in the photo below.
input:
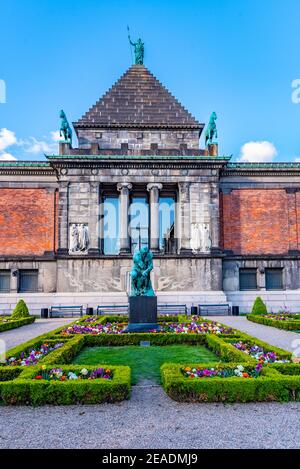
(164, 309)
(65, 311)
(112, 309)
(214, 310)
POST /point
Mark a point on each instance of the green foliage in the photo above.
(270, 386)
(21, 311)
(292, 325)
(282, 354)
(8, 373)
(259, 307)
(26, 390)
(144, 362)
(14, 324)
(227, 352)
(136, 338)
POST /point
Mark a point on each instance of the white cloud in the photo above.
(258, 152)
(7, 157)
(7, 138)
(56, 137)
(32, 145)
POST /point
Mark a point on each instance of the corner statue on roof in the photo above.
(140, 275)
(65, 129)
(211, 133)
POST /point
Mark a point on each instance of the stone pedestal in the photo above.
(142, 313)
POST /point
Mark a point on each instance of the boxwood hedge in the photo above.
(292, 325)
(14, 323)
(26, 390)
(270, 386)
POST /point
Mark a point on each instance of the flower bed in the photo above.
(270, 385)
(26, 389)
(239, 372)
(94, 329)
(194, 327)
(7, 323)
(34, 355)
(280, 322)
(258, 353)
(59, 374)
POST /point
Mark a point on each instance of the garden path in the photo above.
(152, 420)
(22, 334)
(286, 340)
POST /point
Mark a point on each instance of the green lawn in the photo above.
(145, 362)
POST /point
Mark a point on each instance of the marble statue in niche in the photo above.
(200, 237)
(79, 238)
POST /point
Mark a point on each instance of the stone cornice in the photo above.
(260, 169)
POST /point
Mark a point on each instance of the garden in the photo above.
(283, 319)
(19, 317)
(93, 360)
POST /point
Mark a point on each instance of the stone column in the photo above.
(94, 228)
(154, 189)
(215, 216)
(185, 217)
(63, 231)
(124, 188)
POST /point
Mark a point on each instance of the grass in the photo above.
(145, 362)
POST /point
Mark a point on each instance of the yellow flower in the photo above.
(44, 367)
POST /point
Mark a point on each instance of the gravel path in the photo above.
(22, 334)
(152, 420)
(272, 335)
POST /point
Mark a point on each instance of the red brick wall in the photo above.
(258, 221)
(27, 221)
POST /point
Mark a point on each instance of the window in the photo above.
(4, 281)
(274, 279)
(167, 241)
(139, 222)
(248, 279)
(28, 281)
(111, 239)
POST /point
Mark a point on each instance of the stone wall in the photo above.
(138, 139)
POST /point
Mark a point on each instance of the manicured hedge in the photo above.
(13, 324)
(292, 325)
(226, 351)
(26, 390)
(282, 354)
(270, 386)
(8, 373)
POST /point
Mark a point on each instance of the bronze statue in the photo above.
(138, 50)
(140, 275)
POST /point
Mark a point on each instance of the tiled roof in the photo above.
(137, 100)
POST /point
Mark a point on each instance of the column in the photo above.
(94, 218)
(63, 231)
(124, 188)
(215, 216)
(154, 189)
(185, 217)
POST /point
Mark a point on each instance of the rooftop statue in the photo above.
(138, 50)
(65, 129)
(140, 275)
(211, 131)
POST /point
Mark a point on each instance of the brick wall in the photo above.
(258, 221)
(27, 221)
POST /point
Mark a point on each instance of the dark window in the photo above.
(111, 209)
(248, 279)
(167, 240)
(28, 281)
(274, 279)
(4, 281)
(139, 222)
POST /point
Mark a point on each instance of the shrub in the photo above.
(259, 307)
(226, 351)
(27, 390)
(21, 311)
(270, 386)
(13, 324)
(292, 325)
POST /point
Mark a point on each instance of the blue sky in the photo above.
(237, 58)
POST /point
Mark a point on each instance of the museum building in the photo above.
(220, 232)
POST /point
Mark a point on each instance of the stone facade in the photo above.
(138, 139)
